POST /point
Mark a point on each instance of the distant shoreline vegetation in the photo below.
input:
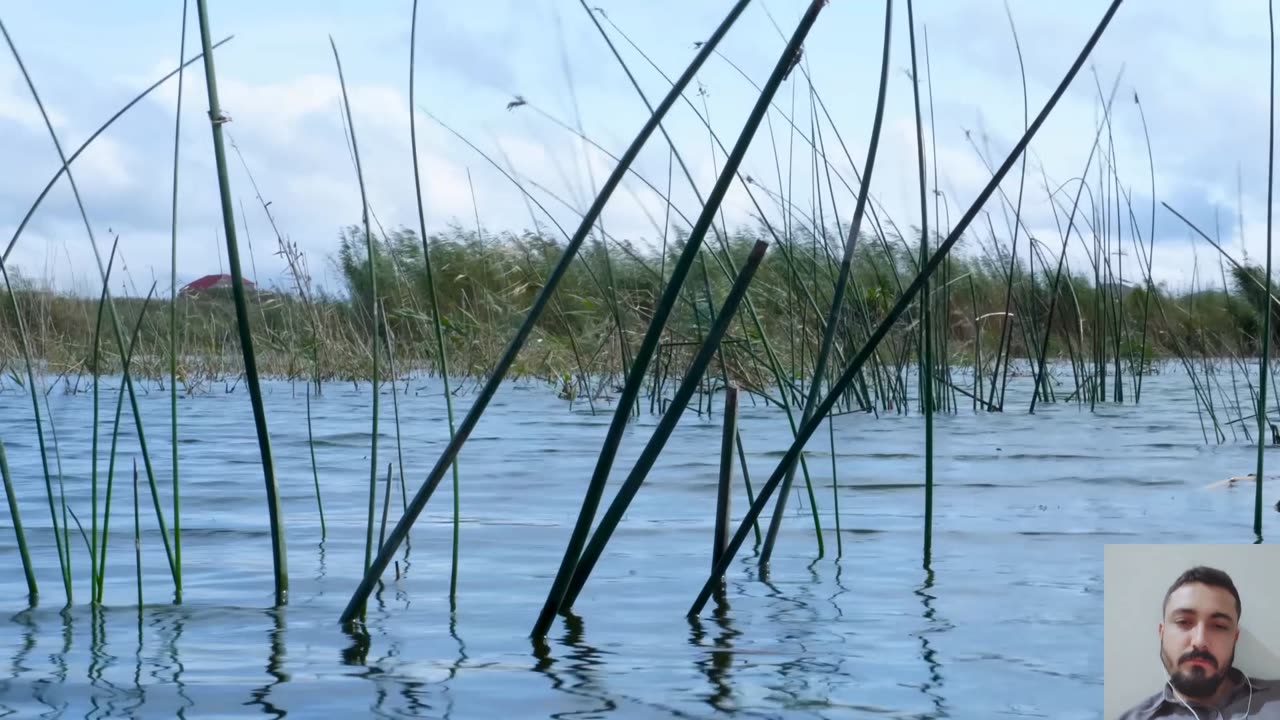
(486, 282)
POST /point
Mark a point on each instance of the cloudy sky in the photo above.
(1199, 68)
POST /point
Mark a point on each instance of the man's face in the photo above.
(1198, 638)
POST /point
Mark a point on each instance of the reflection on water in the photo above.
(1023, 505)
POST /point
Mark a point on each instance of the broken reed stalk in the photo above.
(279, 560)
(908, 295)
(653, 448)
(560, 588)
(380, 563)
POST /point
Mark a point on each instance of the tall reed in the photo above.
(374, 308)
(436, 323)
(926, 324)
(216, 120)
(173, 321)
(1265, 363)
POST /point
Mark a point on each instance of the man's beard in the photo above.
(1196, 682)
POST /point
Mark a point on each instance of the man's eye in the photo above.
(1182, 623)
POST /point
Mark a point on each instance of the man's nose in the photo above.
(1198, 637)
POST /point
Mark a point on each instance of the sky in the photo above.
(1199, 69)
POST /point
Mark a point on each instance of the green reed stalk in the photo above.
(361, 594)
(374, 306)
(679, 401)
(438, 326)
(662, 310)
(216, 120)
(926, 354)
(173, 322)
(15, 514)
(882, 330)
(395, 403)
(1266, 314)
(842, 280)
(83, 146)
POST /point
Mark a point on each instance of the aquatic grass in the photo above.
(361, 593)
(560, 588)
(115, 321)
(15, 514)
(666, 426)
(904, 300)
(837, 299)
(1066, 238)
(216, 121)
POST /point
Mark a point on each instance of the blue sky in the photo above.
(1200, 69)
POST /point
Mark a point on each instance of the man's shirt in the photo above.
(1264, 704)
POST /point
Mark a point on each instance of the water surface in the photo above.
(1006, 621)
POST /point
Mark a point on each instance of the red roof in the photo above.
(212, 281)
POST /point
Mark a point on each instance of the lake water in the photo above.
(1006, 623)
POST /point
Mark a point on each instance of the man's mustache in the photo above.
(1199, 655)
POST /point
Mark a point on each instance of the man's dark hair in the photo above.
(1212, 577)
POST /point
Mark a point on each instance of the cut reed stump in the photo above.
(727, 442)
